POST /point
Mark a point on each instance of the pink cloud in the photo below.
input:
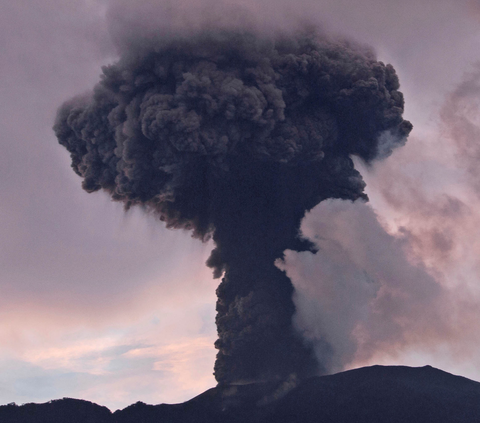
(399, 282)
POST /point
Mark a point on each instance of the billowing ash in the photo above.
(235, 136)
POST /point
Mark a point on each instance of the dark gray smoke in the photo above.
(235, 136)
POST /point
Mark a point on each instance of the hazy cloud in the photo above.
(359, 295)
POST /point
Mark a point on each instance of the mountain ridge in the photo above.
(376, 394)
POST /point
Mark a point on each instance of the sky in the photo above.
(111, 307)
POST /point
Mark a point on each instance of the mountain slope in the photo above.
(390, 394)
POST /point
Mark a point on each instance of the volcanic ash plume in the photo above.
(235, 136)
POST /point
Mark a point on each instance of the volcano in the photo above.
(393, 394)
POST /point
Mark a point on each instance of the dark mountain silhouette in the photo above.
(389, 394)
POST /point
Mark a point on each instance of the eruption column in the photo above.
(235, 136)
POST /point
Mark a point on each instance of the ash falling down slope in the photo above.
(234, 136)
